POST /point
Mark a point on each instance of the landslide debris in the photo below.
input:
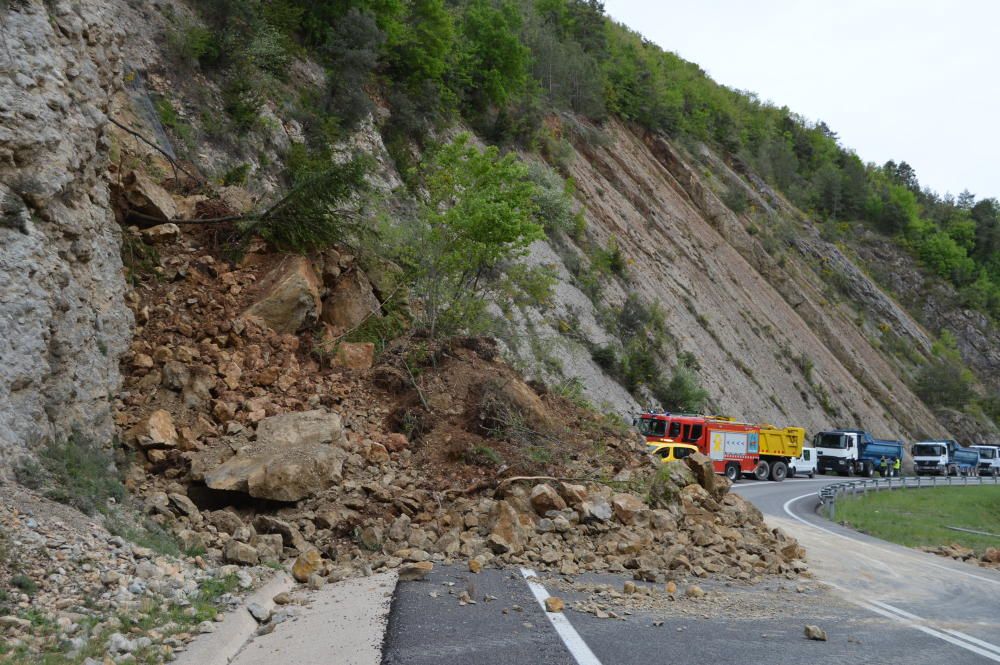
(254, 440)
(71, 587)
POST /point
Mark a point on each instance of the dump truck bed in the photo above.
(785, 442)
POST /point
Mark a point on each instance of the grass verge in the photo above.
(918, 517)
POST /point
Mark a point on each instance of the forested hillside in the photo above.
(541, 76)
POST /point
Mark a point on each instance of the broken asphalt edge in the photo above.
(238, 628)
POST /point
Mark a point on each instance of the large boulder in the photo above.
(296, 455)
(354, 355)
(628, 508)
(704, 473)
(506, 533)
(508, 401)
(154, 431)
(544, 498)
(140, 194)
(288, 296)
(350, 301)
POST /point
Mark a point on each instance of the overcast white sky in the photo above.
(917, 80)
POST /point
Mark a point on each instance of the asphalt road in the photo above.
(955, 603)
(885, 604)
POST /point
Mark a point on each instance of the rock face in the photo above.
(63, 320)
(295, 456)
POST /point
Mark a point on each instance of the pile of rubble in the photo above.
(990, 558)
(69, 586)
(265, 438)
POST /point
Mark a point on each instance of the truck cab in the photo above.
(945, 458)
(989, 460)
(930, 458)
(836, 451)
(854, 451)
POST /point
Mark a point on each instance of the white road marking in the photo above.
(574, 643)
(975, 640)
(957, 638)
(848, 538)
(995, 657)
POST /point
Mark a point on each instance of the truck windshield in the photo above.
(927, 450)
(652, 426)
(987, 453)
(830, 441)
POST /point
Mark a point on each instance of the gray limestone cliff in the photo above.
(63, 319)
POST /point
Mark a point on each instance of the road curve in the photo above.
(951, 601)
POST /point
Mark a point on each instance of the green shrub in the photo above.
(24, 583)
(237, 175)
(194, 44)
(478, 217)
(75, 471)
(682, 392)
(944, 383)
(321, 207)
(735, 200)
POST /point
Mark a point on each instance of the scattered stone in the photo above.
(544, 499)
(354, 356)
(415, 571)
(554, 604)
(241, 553)
(815, 633)
(295, 456)
(306, 564)
(161, 234)
(259, 612)
(694, 591)
(156, 430)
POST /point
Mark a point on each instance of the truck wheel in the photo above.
(850, 471)
(867, 469)
(812, 474)
(762, 471)
(779, 471)
(733, 472)
(791, 471)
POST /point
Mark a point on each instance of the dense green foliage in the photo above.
(320, 207)
(479, 213)
(945, 381)
(504, 65)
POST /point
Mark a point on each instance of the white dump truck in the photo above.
(989, 460)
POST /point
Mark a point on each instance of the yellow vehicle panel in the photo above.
(785, 442)
(671, 452)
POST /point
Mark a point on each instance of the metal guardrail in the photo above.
(829, 494)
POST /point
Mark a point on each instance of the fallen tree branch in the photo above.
(132, 212)
(173, 162)
(413, 380)
(494, 483)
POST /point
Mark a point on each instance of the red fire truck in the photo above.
(735, 448)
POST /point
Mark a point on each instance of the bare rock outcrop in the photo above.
(63, 319)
